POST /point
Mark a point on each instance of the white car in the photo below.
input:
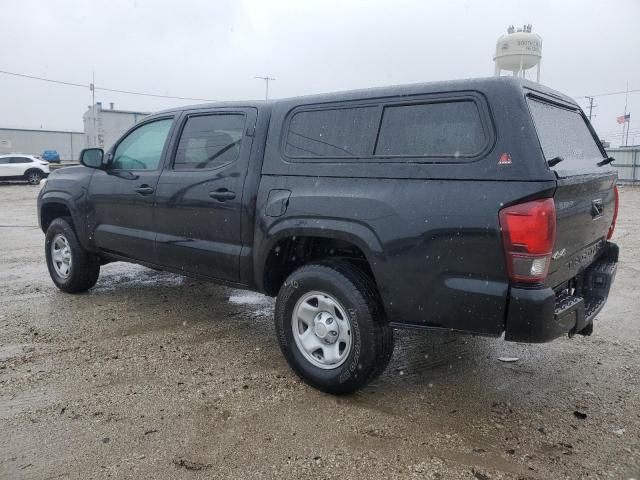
(17, 166)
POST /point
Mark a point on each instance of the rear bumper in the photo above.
(539, 315)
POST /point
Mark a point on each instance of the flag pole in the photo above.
(625, 123)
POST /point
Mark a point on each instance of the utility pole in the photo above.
(266, 79)
(590, 106)
(92, 87)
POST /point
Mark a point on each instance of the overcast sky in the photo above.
(213, 49)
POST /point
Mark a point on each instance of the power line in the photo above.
(81, 85)
(616, 93)
(612, 135)
(44, 79)
(619, 134)
(623, 92)
(154, 95)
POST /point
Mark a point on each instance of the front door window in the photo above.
(142, 148)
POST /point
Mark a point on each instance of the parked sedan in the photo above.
(51, 156)
(17, 166)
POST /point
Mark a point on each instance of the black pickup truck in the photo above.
(482, 206)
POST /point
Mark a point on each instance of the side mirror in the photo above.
(92, 157)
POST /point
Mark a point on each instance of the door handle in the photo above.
(222, 194)
(144, 190)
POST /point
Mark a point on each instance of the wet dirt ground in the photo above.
(150, 375)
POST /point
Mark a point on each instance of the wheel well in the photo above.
(51, 211)
(291, 253)
(33, 169)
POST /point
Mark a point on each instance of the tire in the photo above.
(34, 177)
(83, 267)
(335, 287)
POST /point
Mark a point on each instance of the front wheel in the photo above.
(332, 328)
(71, 267)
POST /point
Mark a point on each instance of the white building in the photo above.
(102, 127)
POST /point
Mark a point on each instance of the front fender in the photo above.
(75, 203)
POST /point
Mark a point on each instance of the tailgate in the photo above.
(585, 207)
(584, 198)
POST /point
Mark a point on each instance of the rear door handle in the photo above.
(144, 190)
(222, 194)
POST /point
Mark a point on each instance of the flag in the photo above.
(624, 118)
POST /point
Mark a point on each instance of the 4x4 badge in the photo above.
(559, 254)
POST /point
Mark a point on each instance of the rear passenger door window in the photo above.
(443, 129)
(209, 141)
(331, 133)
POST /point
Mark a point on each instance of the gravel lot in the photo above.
(151, 375)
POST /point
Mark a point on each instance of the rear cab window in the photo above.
(564, 133)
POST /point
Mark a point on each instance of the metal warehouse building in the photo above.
(102, 127)
(17, 140)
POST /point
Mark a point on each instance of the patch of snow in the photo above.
(249, 298)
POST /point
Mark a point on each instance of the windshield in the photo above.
(564, 133)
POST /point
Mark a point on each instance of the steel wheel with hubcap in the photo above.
(61, 256)
(332, 327)
(321, 330)
(72, 268)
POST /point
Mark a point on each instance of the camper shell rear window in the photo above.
(564, 132)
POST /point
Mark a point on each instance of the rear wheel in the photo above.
(332, 328)
(71, 267)
(34, 177)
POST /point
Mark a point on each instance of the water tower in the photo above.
(518, 51)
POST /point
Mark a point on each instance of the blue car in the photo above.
(51, 156)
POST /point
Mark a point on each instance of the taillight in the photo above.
(616, 206)
(528, 236)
